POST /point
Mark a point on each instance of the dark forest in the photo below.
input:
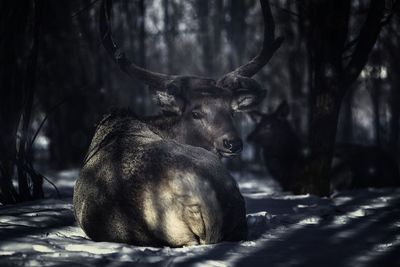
(320, 137)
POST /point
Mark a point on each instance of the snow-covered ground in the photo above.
(359, 228)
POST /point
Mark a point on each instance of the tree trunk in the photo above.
(218, 23)
(326, 42)
(347, 115)
(331, 78)
(236, 31)
(18, 52)
(205, 38)
(169, 32)
(394, 80)
(375, 99)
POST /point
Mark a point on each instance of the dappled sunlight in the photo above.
(97, 248)
(310, 220)
(343, 219)
(368, 257)
(191, 126)
(41, 248)
(363, 114)
(349, 229)
(256, 185)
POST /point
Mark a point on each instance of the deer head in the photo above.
(270, 126)
(275, 134)
(205, 106)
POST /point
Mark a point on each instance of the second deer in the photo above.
(354, 166)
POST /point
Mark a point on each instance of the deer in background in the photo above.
(159, 181)
(354, 166)
(282, 148)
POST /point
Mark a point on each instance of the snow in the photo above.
(358, 228)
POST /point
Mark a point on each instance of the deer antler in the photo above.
(153, 79)
(239, 78)
(270, 45)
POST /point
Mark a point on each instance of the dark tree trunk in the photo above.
(330, 81)
(375, 97)
(395, 121)
(204, 37)
(390, 46)
(296, 70)
(218, 23)
(19, 27)
(326, 41)
(169, 36)
(394, 64)
(347, 115)
(13, 43)
(142, 51)
(236, 31)
(24, 153)
(142, 33)
(73, 82)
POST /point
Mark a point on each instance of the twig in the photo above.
(286, 10)
(351, 44)
(50, 182)
(290, 12)
(84, 8)
(33, 173)
(43, 122)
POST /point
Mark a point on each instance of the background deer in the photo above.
(159, 181)
(354, 166)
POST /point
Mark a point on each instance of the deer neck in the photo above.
(166, 126)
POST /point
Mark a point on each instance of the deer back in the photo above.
(139, 188)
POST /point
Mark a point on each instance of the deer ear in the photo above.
(283, 109)
(170, 100)
(247, 100)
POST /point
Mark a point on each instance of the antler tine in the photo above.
(153, 79)
(270, 45)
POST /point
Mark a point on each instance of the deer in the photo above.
(159, 180)
(282, 149)
(354, 166)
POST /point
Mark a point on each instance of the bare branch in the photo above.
(366, 40)
(392, 12)
(287, 10)
(41, 125)
(350, 44)
(86, 7)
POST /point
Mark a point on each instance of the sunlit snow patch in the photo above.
(211, 263)
(41, 248)
(310, 220)
(93, 249)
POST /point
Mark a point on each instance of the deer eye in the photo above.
(196, 115)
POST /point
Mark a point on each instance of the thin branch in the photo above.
(33, 173)
(292, 13)
(384, 22)
(52, 184)
(43, 122)
(368, 35)
(86, 7)
(350, 44)
(390, 15)
(286, 10)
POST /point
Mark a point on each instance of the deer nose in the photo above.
(234, 146)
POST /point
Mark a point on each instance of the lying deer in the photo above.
(159, 181)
